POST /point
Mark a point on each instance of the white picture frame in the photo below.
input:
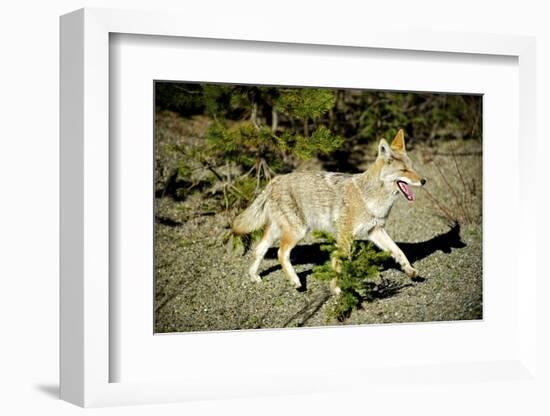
(85, 217)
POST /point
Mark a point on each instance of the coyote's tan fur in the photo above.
(347, 206)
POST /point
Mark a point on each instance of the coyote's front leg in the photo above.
(380, 237)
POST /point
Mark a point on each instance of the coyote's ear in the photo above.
(398, 142)
(384, 150)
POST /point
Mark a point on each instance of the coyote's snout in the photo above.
(348, 206)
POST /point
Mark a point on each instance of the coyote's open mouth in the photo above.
(406, 190)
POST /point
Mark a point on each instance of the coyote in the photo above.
(345, 205)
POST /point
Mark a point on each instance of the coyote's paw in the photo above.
(410, 271)
(334, 288)
(297, 285)
(254, 277)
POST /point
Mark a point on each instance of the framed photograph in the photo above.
(293, 175)
(268, 213)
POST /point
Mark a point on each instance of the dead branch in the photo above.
(465, 196)
(457, 199)
(445, 211)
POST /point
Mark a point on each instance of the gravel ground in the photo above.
(202, 286)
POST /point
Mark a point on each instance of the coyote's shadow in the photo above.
(444, 242)
(312, 253)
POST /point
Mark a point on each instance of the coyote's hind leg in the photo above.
(288, 242)
(271, 232)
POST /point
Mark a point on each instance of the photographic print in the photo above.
(285, 207)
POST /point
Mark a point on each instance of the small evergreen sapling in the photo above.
(358, 271)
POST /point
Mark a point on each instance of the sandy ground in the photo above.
(203, 286)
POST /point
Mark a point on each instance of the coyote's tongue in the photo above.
(404, 187)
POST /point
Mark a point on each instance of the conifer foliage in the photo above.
(269, 129)
(356, 278)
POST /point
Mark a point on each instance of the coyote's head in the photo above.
(397, 172)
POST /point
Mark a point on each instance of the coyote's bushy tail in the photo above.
(254, 217)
